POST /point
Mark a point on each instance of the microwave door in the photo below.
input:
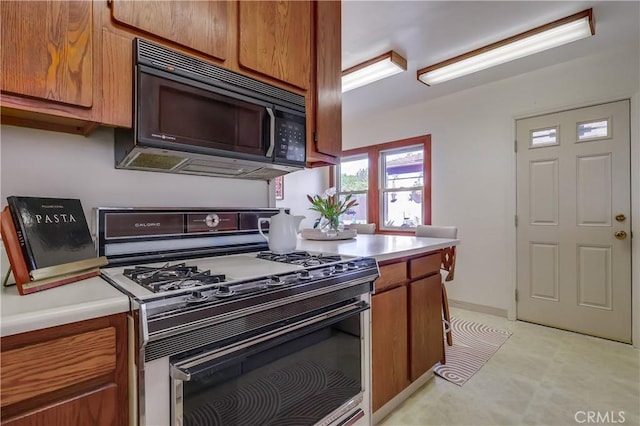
(185, 115)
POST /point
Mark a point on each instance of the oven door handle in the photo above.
(178, 373)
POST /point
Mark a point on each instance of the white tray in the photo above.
(316, 234)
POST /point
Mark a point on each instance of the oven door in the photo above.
(305, 373)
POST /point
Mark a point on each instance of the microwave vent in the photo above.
(147, 160)
(161, 57)
(216, 168)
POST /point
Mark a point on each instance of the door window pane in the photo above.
(544, 137)
(598, 129)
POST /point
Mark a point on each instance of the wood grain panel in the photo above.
(94, 408)
(424, 266)
(199, 25)
(117, 80)
(389, 357)
(47, 50)
(391, 275)
(328, 93)
(275, 39)
(425, 325)
(45, 367)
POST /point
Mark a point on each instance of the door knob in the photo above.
(620, 218)
(621, 235)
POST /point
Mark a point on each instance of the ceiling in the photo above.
(427, 32)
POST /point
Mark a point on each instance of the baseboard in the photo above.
(491, 310)
(393, 403)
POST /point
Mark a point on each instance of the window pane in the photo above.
(354, 174)
(402, 208)
(356, 214)
(593, 130)
(403, 169)
(543, 137)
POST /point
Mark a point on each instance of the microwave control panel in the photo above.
(290, 141)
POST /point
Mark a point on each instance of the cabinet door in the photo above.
(388, 345)
(274, 39)
(328, 93)
(199, 25)
(47, 50)
(93, 408)
(425, 324)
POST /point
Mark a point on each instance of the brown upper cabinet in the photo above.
(48, 64)
(274, 39)
(71, 69)
(203, 26)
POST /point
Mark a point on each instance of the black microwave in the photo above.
(193, 117)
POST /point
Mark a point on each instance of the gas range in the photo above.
(211, 305)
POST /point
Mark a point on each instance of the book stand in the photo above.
(42, 278)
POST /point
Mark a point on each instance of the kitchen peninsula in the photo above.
(406, 320)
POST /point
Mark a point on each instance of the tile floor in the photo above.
(540, 376)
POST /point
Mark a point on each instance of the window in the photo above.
(401, 173)
(392, 183)
(353, 179)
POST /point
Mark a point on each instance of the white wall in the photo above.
(50, 164)
(474, 163)
(296, 187)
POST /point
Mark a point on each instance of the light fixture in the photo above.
(553, 34)
(375, 69)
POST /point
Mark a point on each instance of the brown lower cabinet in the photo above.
(389, 348)
(73, 374)
(406, 324)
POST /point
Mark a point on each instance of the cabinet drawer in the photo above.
(46, 367)
(426, 265)
(395, 273)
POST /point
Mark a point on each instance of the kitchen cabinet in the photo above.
(389, 345)
(49, 71)
(275, 39)
(325, 136)
(406, 324)
(74, 374)
(204, 26)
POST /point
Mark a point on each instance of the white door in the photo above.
(573, 220)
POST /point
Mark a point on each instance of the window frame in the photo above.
(374, 214)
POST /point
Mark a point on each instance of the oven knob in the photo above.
(305, 275)
(352, 265)
(340, 267)
(275, 281)
(212, 220)
(224, 289)
(328, 272)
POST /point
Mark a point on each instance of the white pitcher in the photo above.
(283, 229)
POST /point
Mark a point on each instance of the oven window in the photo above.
(299, 381)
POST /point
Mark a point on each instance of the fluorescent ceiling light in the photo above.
(557, 33)
(372, 70)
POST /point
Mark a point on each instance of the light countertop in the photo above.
(94, 297)
(78, 301)
(381, 247)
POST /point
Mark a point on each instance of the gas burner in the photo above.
(301, 258)
(171, 277)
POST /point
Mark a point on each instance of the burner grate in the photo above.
(301, 258)
(171, 277)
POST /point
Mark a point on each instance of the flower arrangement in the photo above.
(330, 207)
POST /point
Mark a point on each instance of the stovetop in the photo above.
(173, 278)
